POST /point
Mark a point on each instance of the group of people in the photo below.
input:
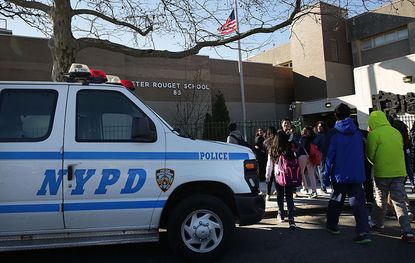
(348, 157)
(301, 145)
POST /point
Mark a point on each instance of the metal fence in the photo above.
(408, 119)
(218, 131)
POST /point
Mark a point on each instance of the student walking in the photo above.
(269, 137)
(320, 141)
(280, 148)
(260, 153)
(384, 151)
(303, 153)
(344, 168)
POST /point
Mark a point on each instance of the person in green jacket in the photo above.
(384, 150)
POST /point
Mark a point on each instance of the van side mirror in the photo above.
(141, 131)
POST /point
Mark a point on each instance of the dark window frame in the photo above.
(52, 116)
(77, 139)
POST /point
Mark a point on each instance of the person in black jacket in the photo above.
(260, 153)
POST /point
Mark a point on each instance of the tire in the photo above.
(200, 228)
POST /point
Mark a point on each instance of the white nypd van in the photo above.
(91, 164)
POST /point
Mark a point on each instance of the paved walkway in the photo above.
(303, 202)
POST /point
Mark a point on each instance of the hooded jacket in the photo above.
(384, 147)
(344, 154)
(234, 136)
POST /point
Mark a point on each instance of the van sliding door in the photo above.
(111, 176)
(31, 141)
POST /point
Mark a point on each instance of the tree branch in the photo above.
(105, 44)
(113, 20)
(31, 4)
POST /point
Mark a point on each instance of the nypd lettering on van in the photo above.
(109, 177)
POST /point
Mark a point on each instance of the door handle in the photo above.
(70, 172)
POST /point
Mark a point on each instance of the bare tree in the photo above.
(132, 26)
(192, 104)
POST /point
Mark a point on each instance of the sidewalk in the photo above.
(304, 204)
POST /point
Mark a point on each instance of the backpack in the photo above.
(288, 173)
(315, 156)
(241, 141)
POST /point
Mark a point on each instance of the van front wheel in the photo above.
(200, 227)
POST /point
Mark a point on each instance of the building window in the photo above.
(385, 38)
(334, 55)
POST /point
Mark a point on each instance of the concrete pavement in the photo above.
(319, 204)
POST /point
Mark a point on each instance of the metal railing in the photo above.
(218, 131)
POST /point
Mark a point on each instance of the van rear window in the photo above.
(26, 115)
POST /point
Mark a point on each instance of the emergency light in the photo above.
(78, 72)
(82, 73)
(98, 76)
(128, 84)
(113, 79)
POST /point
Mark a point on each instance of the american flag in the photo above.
(229, 26)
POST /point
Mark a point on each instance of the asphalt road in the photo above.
(266, 241)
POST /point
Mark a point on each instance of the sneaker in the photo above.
(304, 190)
(371, 223)
(280, 218)
(333, 230)
(408, 237)
(324, 189)
(275, 192)
(411, 216)
(376, 228)
(291, 222)
(363, 238)
(313, 195)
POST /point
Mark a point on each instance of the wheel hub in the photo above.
(202, 231)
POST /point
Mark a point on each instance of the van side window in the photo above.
(26, 115)
(107, 116)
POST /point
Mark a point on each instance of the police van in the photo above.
(90, 164)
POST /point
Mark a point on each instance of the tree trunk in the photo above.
(63, 45)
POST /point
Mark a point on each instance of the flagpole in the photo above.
(241, 73)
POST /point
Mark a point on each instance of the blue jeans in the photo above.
(357, 201)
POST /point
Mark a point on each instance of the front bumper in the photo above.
(250, 207)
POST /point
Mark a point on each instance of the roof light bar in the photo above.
(81, 70)
(82, 73)
(128, 84)
(111, 79)
(98, 76)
